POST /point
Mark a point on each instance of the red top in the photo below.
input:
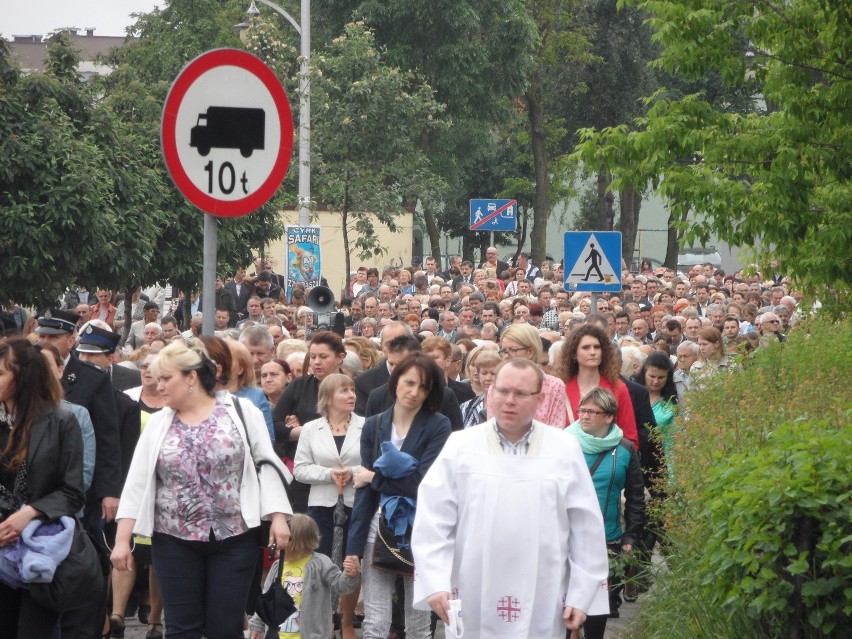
(625, 417)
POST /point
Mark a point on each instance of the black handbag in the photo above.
(391, 552)
(78, 580)
(275, 605)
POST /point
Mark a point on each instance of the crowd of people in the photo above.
(455, 406)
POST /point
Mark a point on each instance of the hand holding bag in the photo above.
(275, 605)
(391, 553)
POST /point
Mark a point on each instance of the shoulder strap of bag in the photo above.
(597, 463)
(262, 462)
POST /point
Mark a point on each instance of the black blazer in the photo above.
(424, 441)
(91, 388)
(124, 378)
(379, 401)
(650, 453)
(242, 299)
(299, 399)
(55, 464)
(368, 381)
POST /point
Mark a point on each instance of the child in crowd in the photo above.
(311, 579)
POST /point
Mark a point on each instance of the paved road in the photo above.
(615, 628)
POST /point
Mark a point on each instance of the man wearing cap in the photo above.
(86, 385)
(96, 346)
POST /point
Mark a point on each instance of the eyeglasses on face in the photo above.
(503, 352)
(590, 411)
(517, 394)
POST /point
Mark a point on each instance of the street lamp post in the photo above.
(304, 32)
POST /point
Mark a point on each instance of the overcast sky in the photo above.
(108, 17)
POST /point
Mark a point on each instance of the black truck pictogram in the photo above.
(229, 128)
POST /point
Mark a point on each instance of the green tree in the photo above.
(776, 179)
(475, 54)
(168, 39)
(370, 121)
(56, 187)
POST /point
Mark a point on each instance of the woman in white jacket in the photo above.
(194, 488)
(329, 455)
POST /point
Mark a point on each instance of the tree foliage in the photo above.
(776, 177)
(368, 125)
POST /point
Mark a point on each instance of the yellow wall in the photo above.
(333, 261)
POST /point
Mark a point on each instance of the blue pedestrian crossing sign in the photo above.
(493, 215)
(593, 261)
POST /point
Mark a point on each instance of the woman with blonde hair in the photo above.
(711, 356)
(523, 340)
(327, 457)
(365, 349)
(194, 486)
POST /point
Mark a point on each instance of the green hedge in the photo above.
(759, 541)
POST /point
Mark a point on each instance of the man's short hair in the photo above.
(257, 335)
(168, 319)
(150, 306)
(404, 344)
(522, 363)
(692, 347)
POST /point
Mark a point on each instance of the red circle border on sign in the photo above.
(186, 78)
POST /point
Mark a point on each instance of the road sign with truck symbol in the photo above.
(227, 132)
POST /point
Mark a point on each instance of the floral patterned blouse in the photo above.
(199, 471)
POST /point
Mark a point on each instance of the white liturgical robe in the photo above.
(515, 538)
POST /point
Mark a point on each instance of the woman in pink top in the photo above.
(588, 362)
(522, 340)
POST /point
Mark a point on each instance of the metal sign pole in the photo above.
(211, 230)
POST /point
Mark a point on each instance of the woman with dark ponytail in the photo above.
(41, 469)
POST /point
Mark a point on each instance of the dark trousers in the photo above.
(23, 618)
(324, 516)
(595, 626)
(88, 622)
(204, 584)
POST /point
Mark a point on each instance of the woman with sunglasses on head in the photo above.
(195, 488)
(589, 361)
(522, 340)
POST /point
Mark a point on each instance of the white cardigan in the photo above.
(257, 500)
(317, 454)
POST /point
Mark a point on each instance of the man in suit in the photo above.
(88, 386)
(380, 400)
(491, 261)
(379, 374)
(466, 276)
(240, 291)
(96, 346)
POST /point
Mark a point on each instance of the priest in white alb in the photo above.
(509, 524)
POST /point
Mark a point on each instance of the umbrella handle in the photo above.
(338, 479)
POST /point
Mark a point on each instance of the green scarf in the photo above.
(596, 445)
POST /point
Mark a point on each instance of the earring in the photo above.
(191, 388)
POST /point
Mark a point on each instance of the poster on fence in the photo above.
(303, 257)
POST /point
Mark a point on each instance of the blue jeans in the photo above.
(205, 584)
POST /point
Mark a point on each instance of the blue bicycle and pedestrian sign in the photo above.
(493, 215)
